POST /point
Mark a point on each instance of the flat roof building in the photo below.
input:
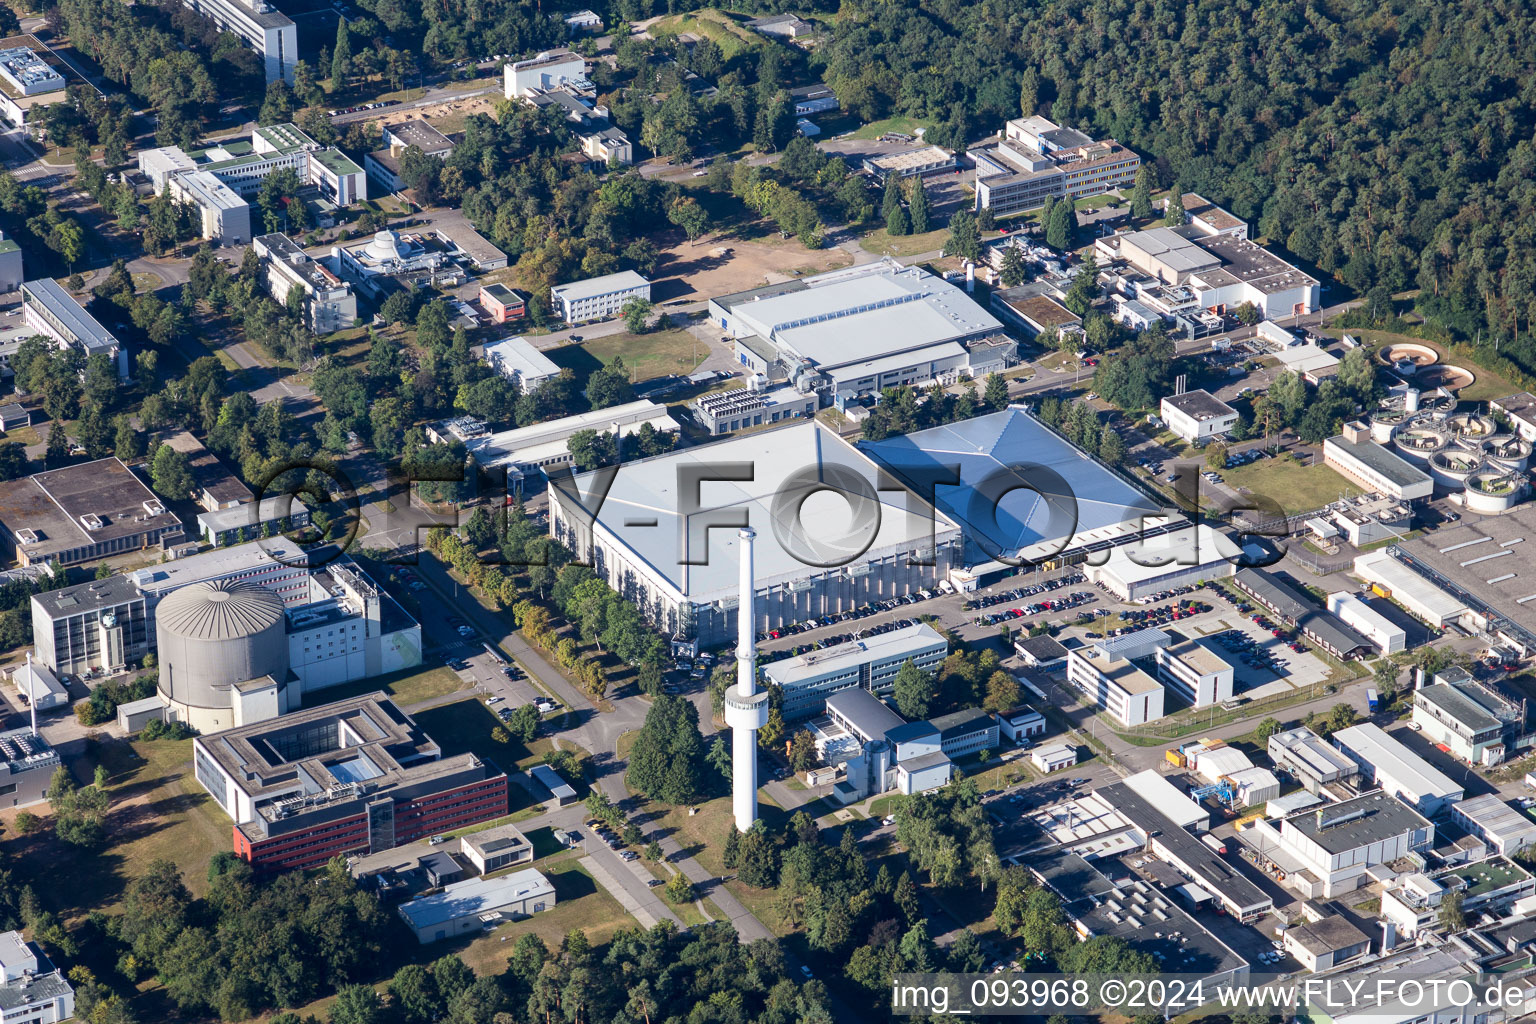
(560, 792)
(1116, 686)
(1310, 759)
(27, 764)
(1354, 456)
(552, 69)
(252, 520)
(1326, 943)
(1320, 626)
(496, 848)
(528, 454)
(261, 26)
(520, 362)
(598, 298)
(1338, 843)
(1195, 672)
(871, 662)
(1033, 158)
(1398, 770)
(356, 776)
(683, 576)
(49, 309)
(214, 487)
(1356, 612)
(329, 304)
(501, 302)
(910, 163)
(1198, 416)
(1503, 827)
(1472, 721)
(1146, 566)
(1043, 652)
(862, 329)
(1520, 410)
(32, 990)
(82, 513)
(477, 904)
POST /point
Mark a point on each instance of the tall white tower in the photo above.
(746, 710)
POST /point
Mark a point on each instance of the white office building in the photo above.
(1398, 770)
(598, 298)
(1115, 685)
(1195, 672)
(517, 360)
(1198, 416)
(1309, 758)
(329, 304)
(1355, 612)
(528, 454)
(805, 681)
(49, 309)
(552, 69)
(261, 26)
(32, 990)
(223, 216)
(1330, 851)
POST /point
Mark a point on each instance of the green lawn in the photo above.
(159, 811)
(880, 241)
(650, 355)
(1488, 385)
(727, 33)
(579, 903)
(903, 125)
(1294, 487)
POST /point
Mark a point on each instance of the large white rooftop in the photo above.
(517, 356)
(1393, 761)
(643, 511)
(533, 444)
(885, 647)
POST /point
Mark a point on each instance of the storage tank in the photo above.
(1452, 467)
(1507, 452)
(212, 636)
(1494, 490)
(1419, 440)
(1471, 425)
(1388, 418)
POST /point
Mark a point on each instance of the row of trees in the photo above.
(1078, 423)
(964, 679)
(903, 409)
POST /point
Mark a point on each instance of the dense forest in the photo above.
(1384, 144)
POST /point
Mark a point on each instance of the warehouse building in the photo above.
(1198, 416)
(1326, 943)
(1504, 828)
(1356, 612)
(1469, 720)
(1329, 851)
(910, 163)
(806, 680)
(356, 776)
(1397, 770)
(1115, 685)
(82, 513)
(38, 688)
(478, 904)
(50, 310)
(650, 537)
(501, 847)
(1420, 596)
(861, 330)
(1145, 566)
(1309, 758)
(598, 298)
(1034, 158)
(1366, 464)
(1321, 627)
(1023, 493)
(527, 455)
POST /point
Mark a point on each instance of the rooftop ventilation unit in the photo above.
(92, 521)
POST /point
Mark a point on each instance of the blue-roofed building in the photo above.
(1023, 491)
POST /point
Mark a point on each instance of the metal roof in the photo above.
(901, 643)
(865, 712)
(1001, 458)
(1377, 751)
(1393, 467)
(219, 610)
(475, 896)
(1351, 824)
(574, 291)
(46, 293)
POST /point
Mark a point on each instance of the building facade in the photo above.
(1195, 672)
(261, 26)
(1034, 159)
(329, 304)
(49, 309)
(598, 298)
(1198, 416)
(805, 681)
(1115, 685)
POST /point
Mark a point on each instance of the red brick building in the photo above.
(357, 776)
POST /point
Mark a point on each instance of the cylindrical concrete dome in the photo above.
(215, 634)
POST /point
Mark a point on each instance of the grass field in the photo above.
(1296, 488)
(1488, 384)
(579, 903)
(158, 812)
(903, 125)
(655, 354)
(726, 32)
(880, 241)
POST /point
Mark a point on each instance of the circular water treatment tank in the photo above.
(1418, 441)
(1507, 452)
(1406, 354)
(1495, 490)
(1451, 467)
(1471, 425)
(215, 634)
